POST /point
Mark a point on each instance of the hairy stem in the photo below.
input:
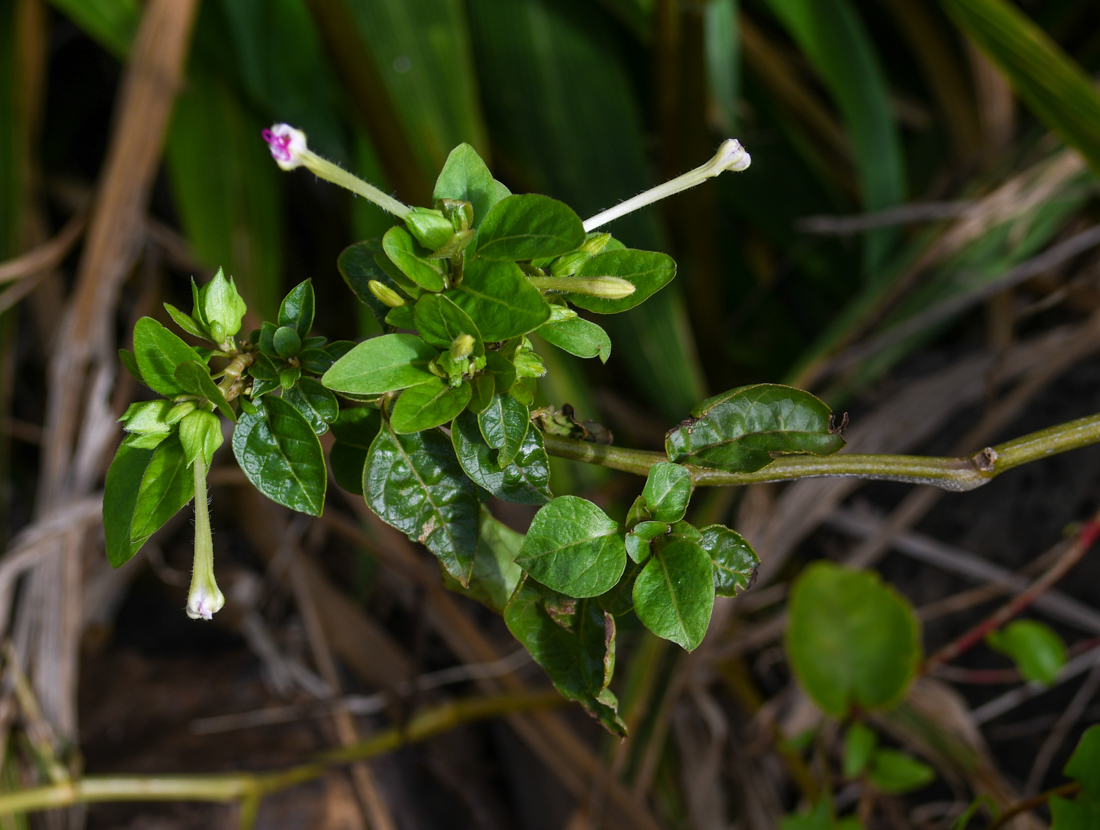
(966, 473)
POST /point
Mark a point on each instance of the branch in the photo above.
(966, 473)
(250, 787)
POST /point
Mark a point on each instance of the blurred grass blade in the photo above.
(723, 57)
(1046, 79)
(587, 150)
(227, 190)
(111, 23)
(422, 51)
(837, 44)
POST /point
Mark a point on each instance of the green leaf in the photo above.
(667, 491)
(529, 226)
(412, 259)
(195, 378)
(639, 537)
(1084, 765)
(744, 429)
(896, 773)
(185, 322)
(200, 434)
(287, 342)
(500, 300)
(1036, 649)
(158, 352)
(573, 547)
(280, 454)
(439, 321)
(674, 593)
(297, 309)
(129, 362)
(354, 430)
(428, 405)
(112, 23)
(482, 386)
(648, 271)
(382, 364)
(1057, 89)
(579, 337)
(503, 371)
(317, 404)
(851, 640)
(415, 484)
(859, 745)
(1082, 814)
(144, 489)
(819, 818)
(147, 416)
(504, 424)
(525, 481)
(466, 178)
(496, 574)
(734, 560)
(357, 265)
(574, 642)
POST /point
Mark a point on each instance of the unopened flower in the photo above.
(609, 288)
(289, 149)
(204, 599)
(730, 156)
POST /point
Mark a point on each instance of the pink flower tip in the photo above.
(287, 145)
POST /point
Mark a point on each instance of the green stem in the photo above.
(251, 787)
(964, 473)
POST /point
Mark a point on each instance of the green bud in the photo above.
(220, 307)
(595, 243)
(204, 599)
(569, 264)
(462, 347)
(610, 288)
(200, 435)
(455, 245)
(385, 294)
(430, 227)
(176, 414)
(286, 341)
(460, 214)
(561, 313)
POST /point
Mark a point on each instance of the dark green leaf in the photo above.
(280, 454)
(648, 271)
(896, 773)
(297, 308)
(414, 483)
(667, 492)
(851, 640)
(158, 352)
(574, 642)
(482, 386)
(1082, 814)
(466, 178)
(354, 430)
(744, 429)
(674, 593)
(286, 341)
(639, 537)
(503, 371)
(525, 481)
(500, 300)
(317, 404)
(428, 405)
(1084, 765)
(734, 560)
(579, 337)
(120, 495)
(129, 362)
(358, 267)
(495, 573)
(439, 321)
(859, 744)
(382, 364)
(412, 260)
(195, 378)
(504, 424)
(574, 547)
(529, 226)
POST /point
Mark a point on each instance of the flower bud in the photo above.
(430, 227)
(204, 599)
(459, 213)
(569, 264)
(384, 294)
(609, 288)
(221, 308)
(462, 347)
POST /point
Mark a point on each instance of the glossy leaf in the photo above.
(287, 342)
(647, 271)
(466, 178)
(734, 560)
(638, 539)
(667, 492)
(500, 300)
(674, 593)
(354, 430)
(574, 642)
(578, 337)
(504, 424)
(482, 386)
(851, 640)
(428, 405)
(439, 321)
(573, 547)
(496, 574)
(158, 352)
(412, 260)
(317, 404)
(382, 364)
(529, 226)
(415, 484)
(525, 481)
(297, 309)
(744, 429)
(195, 378)
(357, 265)
(280, 454)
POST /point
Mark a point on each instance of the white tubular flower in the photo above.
(289, 149)
(204, 599)
(730, 156)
